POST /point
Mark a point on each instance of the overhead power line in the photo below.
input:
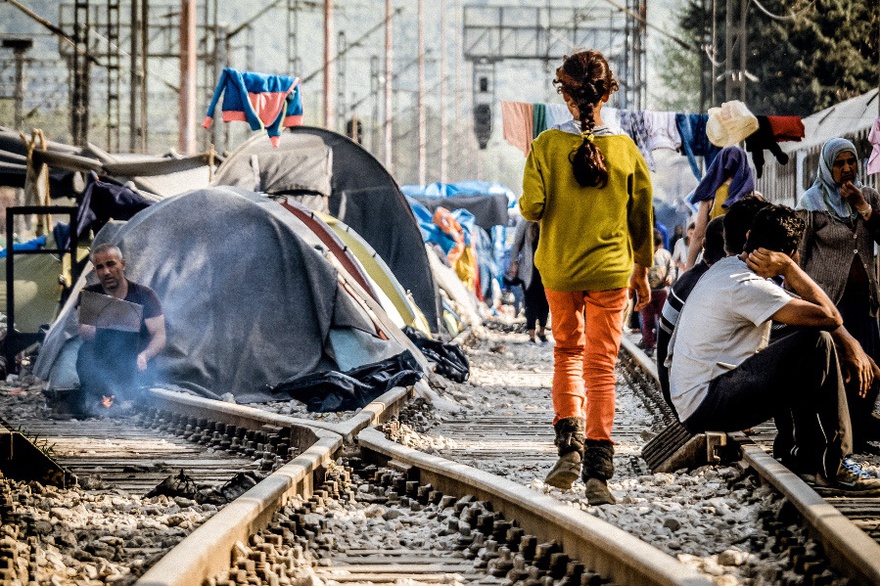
(681, 42)
(789, 16)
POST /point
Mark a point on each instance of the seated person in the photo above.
(113, 362)
(735, 224)
(725, 377)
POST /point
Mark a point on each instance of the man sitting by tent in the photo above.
(122, 326)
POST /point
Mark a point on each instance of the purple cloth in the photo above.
(730, 162)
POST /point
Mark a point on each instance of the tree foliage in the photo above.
(825, 53)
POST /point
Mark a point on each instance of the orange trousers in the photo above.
(587, 328)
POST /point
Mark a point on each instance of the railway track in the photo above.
(846, 527)
(343, 503)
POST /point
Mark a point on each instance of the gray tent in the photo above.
(332, 173)
(248, 299)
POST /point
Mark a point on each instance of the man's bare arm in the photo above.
(156, 328)
(814, 308)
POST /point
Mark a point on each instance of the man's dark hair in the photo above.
(738, 221)
(776, 228)
(713, 245)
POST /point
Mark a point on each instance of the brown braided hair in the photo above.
(586, 78)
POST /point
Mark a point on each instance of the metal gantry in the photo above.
(493, 34)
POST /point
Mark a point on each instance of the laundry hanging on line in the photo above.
(649, 129)
(266, 102)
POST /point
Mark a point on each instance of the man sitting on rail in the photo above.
(725, 377)
(119, 337)
(735, 224)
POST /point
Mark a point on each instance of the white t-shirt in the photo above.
(724, 322)
(680, 251)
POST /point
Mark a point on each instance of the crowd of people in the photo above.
(756, 311)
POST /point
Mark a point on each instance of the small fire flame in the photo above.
(107, 402)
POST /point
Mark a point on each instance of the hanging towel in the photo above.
(539, 119)
(633, 123)
(263, 101)
(694, 142)
(517, 121)
(786, 128)
(662, 131)
(761, 140)
(874, 139)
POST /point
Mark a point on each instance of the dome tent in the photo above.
(355, 188)
(248, 301)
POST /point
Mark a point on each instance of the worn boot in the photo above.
(598, 469)
(570, 444)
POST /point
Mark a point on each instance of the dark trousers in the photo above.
(537, 308)
(797, 377)
(650, 318)
(107, 366)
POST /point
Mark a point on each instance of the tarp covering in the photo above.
(153, 176)
(362, 194)
(248, 300)
(488, 202)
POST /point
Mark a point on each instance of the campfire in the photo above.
(107, 402)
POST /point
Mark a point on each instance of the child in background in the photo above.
(660, 276)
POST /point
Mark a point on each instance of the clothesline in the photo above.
(652, 130)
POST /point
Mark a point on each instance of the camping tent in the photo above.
(248, 299)
(331, 173)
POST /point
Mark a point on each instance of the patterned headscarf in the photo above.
(824, 195)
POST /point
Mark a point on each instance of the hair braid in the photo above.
(586, 78)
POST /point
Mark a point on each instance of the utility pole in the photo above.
(744, 9)
(340, 80)
(134, 76)
(444, 139)
(388, 126)
(145, 55)
(19, 48)
(728, 51)
(421, 107)
(329, 109)
(186, 140)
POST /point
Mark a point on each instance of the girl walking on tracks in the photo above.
(591, 191)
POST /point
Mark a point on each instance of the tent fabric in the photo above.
(380, 274)
(346, 391)
(333, 243)
(295, 166)
(154, 177)
(364, 196)
(36, 286)
(248, 301)
(102, 201)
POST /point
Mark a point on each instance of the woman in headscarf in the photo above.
(728, 180)
(837, 251)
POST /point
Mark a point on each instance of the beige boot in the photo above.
(570, 445)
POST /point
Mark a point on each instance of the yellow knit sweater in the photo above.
(589, 236)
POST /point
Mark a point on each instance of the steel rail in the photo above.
(601, 546)
(850, 550)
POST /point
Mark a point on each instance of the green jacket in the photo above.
(589, 236)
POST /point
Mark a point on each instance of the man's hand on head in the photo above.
(768, 263)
